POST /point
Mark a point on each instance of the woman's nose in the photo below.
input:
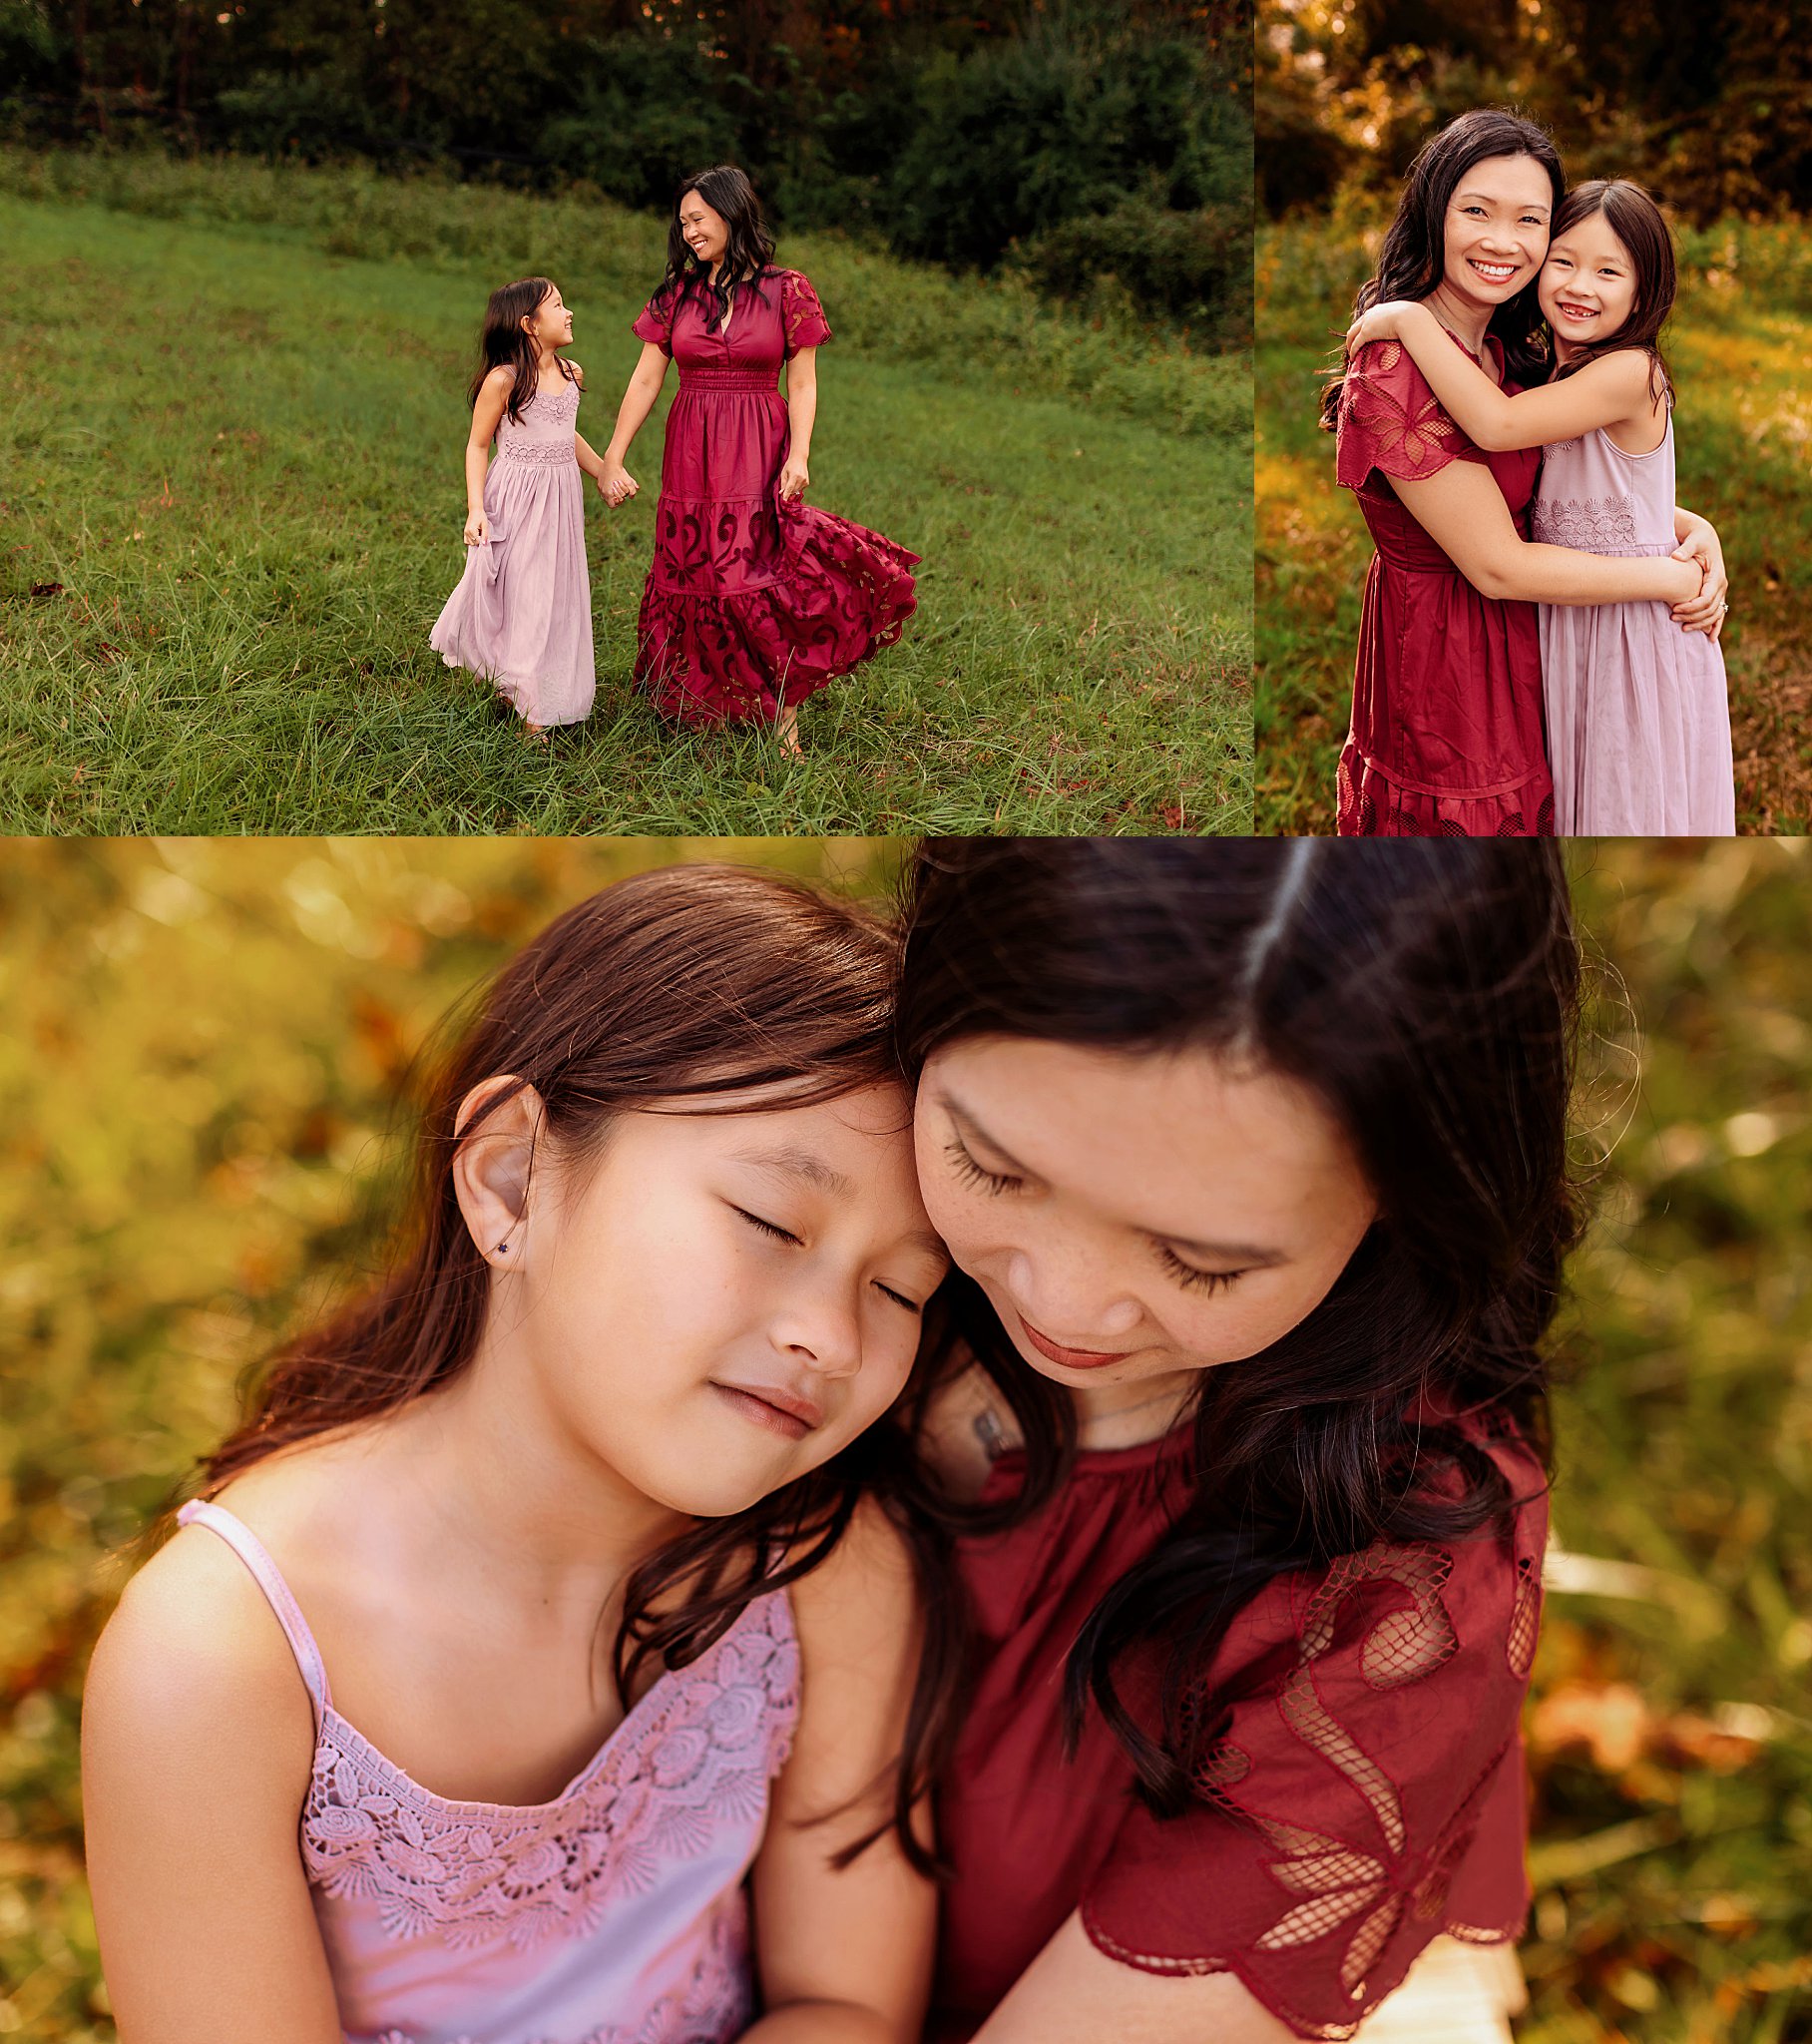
(1066, 1298)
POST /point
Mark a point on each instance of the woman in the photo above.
(1254, 1158)
(754, 600)
(1447, 731)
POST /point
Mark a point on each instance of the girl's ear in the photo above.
(493, 1167)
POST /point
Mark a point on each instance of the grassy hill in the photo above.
(233, 404)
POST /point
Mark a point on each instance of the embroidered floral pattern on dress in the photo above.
(1595, 524)
(471, 1872)
(801, 313)
(1408, 441)
(1343, 1887)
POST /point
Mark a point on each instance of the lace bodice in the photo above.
(612, 1914)
(545, 431)
(1593, 496)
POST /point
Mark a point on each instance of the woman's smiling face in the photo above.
(1496, 228)
(1134, 1215)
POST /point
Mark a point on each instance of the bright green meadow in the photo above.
(1739, 345)
(231, 502)
(185, 1176)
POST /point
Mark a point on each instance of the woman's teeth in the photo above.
(1494, 272)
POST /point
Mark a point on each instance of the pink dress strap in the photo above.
(257, 1557)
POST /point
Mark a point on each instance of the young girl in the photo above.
(522, 614)
(755, 600)
(516, 1623)
(1638, 716)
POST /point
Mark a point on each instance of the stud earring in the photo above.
(502, 1250)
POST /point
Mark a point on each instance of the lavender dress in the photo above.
(614, 1915)
(522, 614)
(1638, 720)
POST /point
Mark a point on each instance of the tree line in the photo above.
(1711, 106)
(1071, 139)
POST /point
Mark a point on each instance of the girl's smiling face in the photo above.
(1132, 1215)
(712, 1304)
(1588, 286)
(550, 326)
(1496, 228)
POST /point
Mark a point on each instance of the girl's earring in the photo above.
(502, 1250)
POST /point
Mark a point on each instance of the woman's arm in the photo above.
(845, 1955)
(631, 415)
(1613, 390)
(197, 1744)
(1463, 511)
(493, 396)
(1074, 1994)
(802, 412)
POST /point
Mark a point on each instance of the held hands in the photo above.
(1383, 322)
(795, 479)
(615, 485)
(1705, 611)
(478, 528)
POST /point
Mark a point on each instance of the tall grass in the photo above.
(234, 501)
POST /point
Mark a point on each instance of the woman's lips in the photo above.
(1069, 1358)
(789, 1413)
(1493, 272)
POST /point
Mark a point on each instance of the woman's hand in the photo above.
(1704, 612)
(1383, 322)
(795, 479)
(478, 528)
(615, 485)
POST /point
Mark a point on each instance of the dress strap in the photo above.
(253, 1552)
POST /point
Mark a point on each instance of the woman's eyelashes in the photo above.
(1189, 1275)
(974, 1173)
(776, 1233)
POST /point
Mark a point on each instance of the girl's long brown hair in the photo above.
(1639, 223)
(503, 345)
(666, 992)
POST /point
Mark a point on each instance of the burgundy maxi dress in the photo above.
(751, 604)
(1447, 738)
(1367, 1794)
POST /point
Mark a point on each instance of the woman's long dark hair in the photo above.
(1413, 259)
(1425, 995)
(666, 990)
(1638, 222)
(503, 345)
(748, 254)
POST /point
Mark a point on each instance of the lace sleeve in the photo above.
(655, 323)
(1367, 1793)
(802, 314)
(1391, 420)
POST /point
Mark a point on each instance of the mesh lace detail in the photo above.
(801, 313)
(1340, 1886)
(471, 1872)
(1525, 1618)
(543, 453)
(1592, 524)
(1403, 440)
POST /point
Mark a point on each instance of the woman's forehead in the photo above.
(1517, 180)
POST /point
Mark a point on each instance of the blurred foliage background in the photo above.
(202, 1050)
(1072, 141)
(1711, 109)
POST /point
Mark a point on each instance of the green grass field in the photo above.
(234, 417)
(1739, 346)
(184, 1173)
